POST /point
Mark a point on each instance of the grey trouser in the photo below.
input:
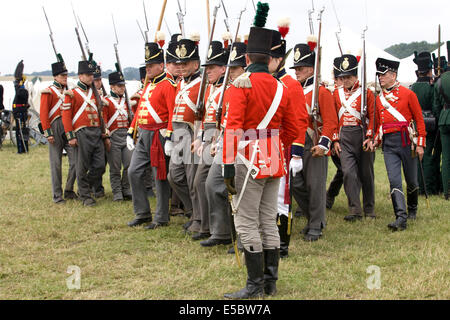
(182, 169)
(357, 166)
(119, 155)
(55, 152)
(309, 189)
(216, 193)
(90, 155)
(140, 161)
(202, 174)
(395, 156)
(338, 179)
(256, 219)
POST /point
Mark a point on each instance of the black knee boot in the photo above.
(255, 278)
(398, 201)
(412, 200)
(271, 260)
(285, 238)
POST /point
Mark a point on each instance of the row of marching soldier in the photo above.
(262, 139)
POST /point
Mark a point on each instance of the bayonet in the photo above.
(180, 16)
(146, 21)
(51, 36)
(339, 28)
(310, 13)
(119, 69)
(227, 26)
(142, 32)
(167, 27)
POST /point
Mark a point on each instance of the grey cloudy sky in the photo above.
(24, 33)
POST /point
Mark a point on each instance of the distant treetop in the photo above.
(404, 50)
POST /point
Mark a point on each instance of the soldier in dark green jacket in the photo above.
(424, 90)
(441, 107)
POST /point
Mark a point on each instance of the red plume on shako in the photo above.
(312, 42)
(283, 26)
(161, 38)
(226, 37)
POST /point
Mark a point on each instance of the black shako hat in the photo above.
(348, 66)
(153, 53)
(385, 65)
(336, 67)
(86, 67)
(171, 55)
(278, 49)
(186, 50)
(59, 68)
(97, 71)
(423, 61)
(217, 55)
(443, 63)
(259, 40)
(237, 55)
(116, 78)
(303, 56)
(142, 72)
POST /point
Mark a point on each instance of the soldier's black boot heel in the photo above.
(285, 238)
(255, 278)
(271, 261)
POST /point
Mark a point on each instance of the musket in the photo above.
(146, 22)
(227, 26)
(364, 86)
(375, 109)
(167, 26)
(92, 86)
(201, 95)
(315, 93)
(227, 74)
(161, 17)
(119, 69)
(208, 16)
(439, 51)
(89, 52)
(83, 53)
(310, 12)
(142, 32)
(58, 56)
(339, 26)
(180, 16)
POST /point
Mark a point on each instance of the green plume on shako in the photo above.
(261, 14)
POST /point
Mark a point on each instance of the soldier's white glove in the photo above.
(130, 143)
(168, 148)
(296, 165)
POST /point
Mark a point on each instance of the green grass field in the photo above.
(40, 240)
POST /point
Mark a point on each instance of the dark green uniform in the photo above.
(431, 160)
(441, 107)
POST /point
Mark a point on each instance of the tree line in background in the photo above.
(404, 50)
